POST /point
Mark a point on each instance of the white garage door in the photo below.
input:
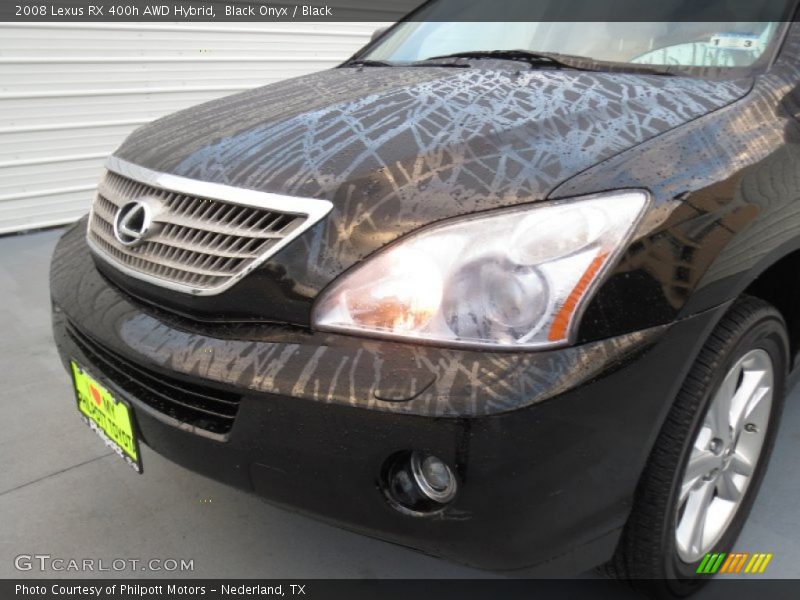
(69, 94)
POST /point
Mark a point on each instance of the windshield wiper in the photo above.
(534, 59)
(526, 56)
(553, 59)
(443, 61)
(385, 63)
(369, 63)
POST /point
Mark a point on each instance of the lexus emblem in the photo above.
(133, 223)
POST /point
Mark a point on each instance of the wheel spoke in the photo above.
(752, 410)
(747, 397)
(692, 526)
(727, 488)
(719, 413)
(741, 465)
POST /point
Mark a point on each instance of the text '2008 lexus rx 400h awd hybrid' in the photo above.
(502, 306)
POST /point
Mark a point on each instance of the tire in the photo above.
(649, 555)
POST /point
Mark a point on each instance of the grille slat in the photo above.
(198, 242)
(169, 256)
(195, 243)
(207, 224)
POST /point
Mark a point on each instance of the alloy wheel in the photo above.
(724, 455)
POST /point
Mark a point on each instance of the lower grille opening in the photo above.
(205, 408)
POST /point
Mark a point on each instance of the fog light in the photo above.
(418, 482)
(434, 477)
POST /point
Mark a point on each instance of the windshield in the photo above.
(678, 44)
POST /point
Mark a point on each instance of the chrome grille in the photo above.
(200, 244)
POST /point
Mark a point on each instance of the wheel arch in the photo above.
(779, 284)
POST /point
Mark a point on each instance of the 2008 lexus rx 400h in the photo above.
(502, 292)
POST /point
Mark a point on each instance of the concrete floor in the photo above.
(62, 493)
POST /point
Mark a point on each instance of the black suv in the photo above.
(508, 293)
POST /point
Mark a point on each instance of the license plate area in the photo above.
(111, 418)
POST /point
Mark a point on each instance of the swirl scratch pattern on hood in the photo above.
(446, 128)
(395, 149)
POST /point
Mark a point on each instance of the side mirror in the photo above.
(378, 33)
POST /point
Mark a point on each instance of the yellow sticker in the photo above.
(106, 415)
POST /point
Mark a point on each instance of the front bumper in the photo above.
(548, 447)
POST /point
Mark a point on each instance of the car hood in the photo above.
(397, 148)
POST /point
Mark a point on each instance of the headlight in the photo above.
(517, 277)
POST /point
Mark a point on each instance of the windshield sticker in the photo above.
(736, 41)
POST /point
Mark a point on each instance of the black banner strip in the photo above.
(394, 10)
(746, 586)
